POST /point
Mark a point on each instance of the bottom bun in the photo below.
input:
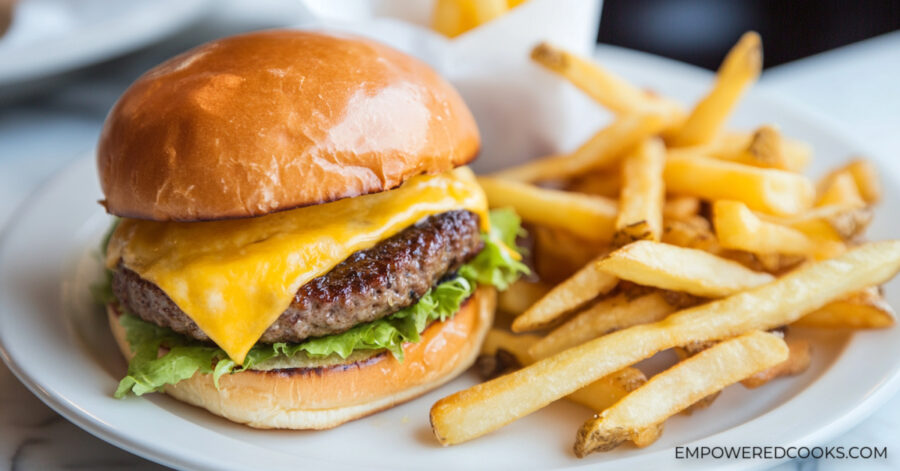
(325, 397)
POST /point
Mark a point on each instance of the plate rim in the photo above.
(97, 46)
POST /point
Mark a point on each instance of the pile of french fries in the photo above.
(454, 17)
(667, 231)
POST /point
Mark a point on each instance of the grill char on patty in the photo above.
(368, 285)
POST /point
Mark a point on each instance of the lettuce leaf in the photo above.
(147, 371)
(101, 291)
(496, 265)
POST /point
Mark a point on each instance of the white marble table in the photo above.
(856, 86)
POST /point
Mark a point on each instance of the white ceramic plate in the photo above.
(52, 36)
(59, 346)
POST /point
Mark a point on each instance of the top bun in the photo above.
(274, 120)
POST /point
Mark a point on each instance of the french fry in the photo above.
(454, 17)
(694, 233)
(734, 146)
(686, 351)
(774, 263)
(607, 89)
(520, 295)
(597, 396)
(766, 149)
(849, 224)
(680, 208)
(633, 290)
(447, 18)
(598, 182)
(643, 193)
(864, 174)
(690, 349)
(813, 228)
(738, 228)
(502, 353)
(558, 253)
(608, 390)
(609, 314)
(483, 11)
(799, 357)
(702, 403)
(591, 217)
(516, 344)
(797, 154)
(833, 222)
(864, 309)
(681, 300)
(724, 145)
(841, 191)
(583, 286)
(681, 269)
(768, 190)
(739, 70)
(602, 150)
(677, 388)
(488, 406)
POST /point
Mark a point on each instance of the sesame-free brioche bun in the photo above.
(316, 397)
(273, 120)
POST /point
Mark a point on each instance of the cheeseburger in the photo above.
(299, 243)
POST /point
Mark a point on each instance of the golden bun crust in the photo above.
(273, 120)
(321, 398)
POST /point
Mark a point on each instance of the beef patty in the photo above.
(368, 285)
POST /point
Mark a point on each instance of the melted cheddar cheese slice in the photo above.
(234, 278)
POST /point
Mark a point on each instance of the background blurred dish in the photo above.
(56, 346)
(48, 37)
(6, 11)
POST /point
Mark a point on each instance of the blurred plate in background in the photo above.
(48, 37)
